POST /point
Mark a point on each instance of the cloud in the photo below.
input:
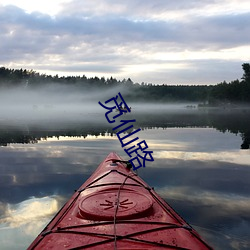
(115, 38)
(26, 220)
(229, 204)
(29, 210)
(230, 157)
(148, 9)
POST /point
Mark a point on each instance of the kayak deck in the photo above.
(116, 209)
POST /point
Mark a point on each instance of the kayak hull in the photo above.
(116, 209)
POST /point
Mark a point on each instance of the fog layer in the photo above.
(60, 102)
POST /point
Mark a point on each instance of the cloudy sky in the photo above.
(157, 41)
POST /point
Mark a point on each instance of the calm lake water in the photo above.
(201, 166)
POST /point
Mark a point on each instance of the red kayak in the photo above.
(116, 209)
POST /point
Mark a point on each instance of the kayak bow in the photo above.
(116, 209)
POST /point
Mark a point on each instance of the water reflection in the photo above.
(31, 131)
(33, 209)
(236, 157)
(20, 222)
(198, 169)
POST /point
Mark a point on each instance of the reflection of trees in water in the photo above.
(16, 137)
(35, 133)
(246, 141)
(222, 120)
(233, 121)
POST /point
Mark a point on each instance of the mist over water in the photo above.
(64, 110)
(45, 103)
(199, 167)
(60, 102)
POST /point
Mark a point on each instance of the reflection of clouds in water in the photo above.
(170, 146)
(29, 212)
(52, 167)
(203, 178)
(236, 157)
(228, 239)
(61, 157)
(105, 136)
(226, 216)
(22, 222)
(228, 203)
(77, 149)
(2, 209)
(191, 139)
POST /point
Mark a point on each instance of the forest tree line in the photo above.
(236, 91)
